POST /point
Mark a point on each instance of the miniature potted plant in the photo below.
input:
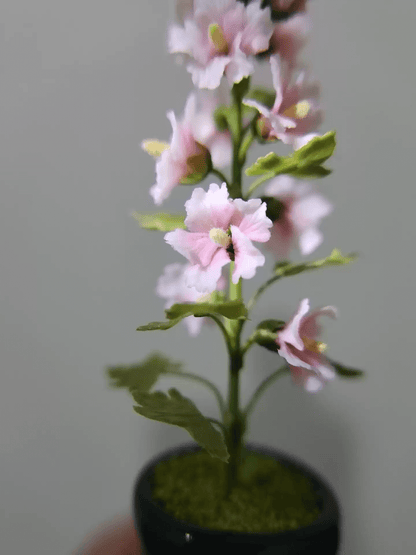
(219, 492)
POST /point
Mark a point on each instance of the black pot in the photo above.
(161, 533)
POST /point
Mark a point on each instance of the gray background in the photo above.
(82, 83)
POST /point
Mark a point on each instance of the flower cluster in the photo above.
(230, 227)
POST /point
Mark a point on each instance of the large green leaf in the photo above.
(232, 310)
(180, 411)
(336, 258)
(306, 162)
(317, 150)
(142, 376)
(271, 163)
(160, 221)
(346, 371)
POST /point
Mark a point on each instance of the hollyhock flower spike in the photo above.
(220, 230)
(298, 344)
(301, 209)
(295, 112)
(172, 287)
(219, 37)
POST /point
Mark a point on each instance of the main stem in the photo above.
(234, 422)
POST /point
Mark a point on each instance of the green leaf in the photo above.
(160, 221)
(266, 332)
(336, 258)
(271, 163)
(141, 376)
(180, 411)
(152, 326)
(317, 150)
(310, 172)
(347, 372)
(304, 162)
(232, 310)
(262, 95)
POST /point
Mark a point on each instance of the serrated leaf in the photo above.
(141, 376)
(346, 371)
(232, 310)
(317, 150)
(271, 163)
(336, 258)
(180, 411)
(160, 221)
(152, 326)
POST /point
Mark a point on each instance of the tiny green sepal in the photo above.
(141, 376)
(233, 310)
(266, 332)
(345, 371)
(180, 411)
(160, 221)
(336, 258)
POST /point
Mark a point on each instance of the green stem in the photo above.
(207, 383)
(219, 174)
(225, 332)
(235, 188)
(257, 183)
(261, 389)
(245, 145)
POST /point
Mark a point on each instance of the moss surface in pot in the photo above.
(268, 497)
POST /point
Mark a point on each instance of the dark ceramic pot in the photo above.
(162, 534)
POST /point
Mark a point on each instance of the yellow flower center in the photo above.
(299, 110)
(315, 346)
(217, 38)
(220, 237)
(154, 147)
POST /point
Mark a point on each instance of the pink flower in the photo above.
(220, 230)
(195, 143)
(172, 287)
(180, 160)
(300, 212)
(295, 111)
(219, 36)
(289, 37)
(298, 345)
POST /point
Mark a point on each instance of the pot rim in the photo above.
(328, 518)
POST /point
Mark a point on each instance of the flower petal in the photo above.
(247, 256)
(205, 279)
(254, 224)
(290, 333)
(208, 210)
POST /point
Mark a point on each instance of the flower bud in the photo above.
(198, 166)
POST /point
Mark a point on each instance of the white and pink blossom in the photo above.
(295, 111)
(300, 213)
(171, 286)
(220, 37)
(298, 344)
(289, 37)
(220, 230)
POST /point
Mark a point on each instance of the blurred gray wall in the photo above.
(82, 83)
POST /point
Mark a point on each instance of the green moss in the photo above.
(270, 497)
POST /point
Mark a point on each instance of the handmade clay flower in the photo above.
(172, 287)
(220, 230)
(295, 111)
(289, 37)
(298, 345)
(300, 209)
(184, 160)
(219, 37)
